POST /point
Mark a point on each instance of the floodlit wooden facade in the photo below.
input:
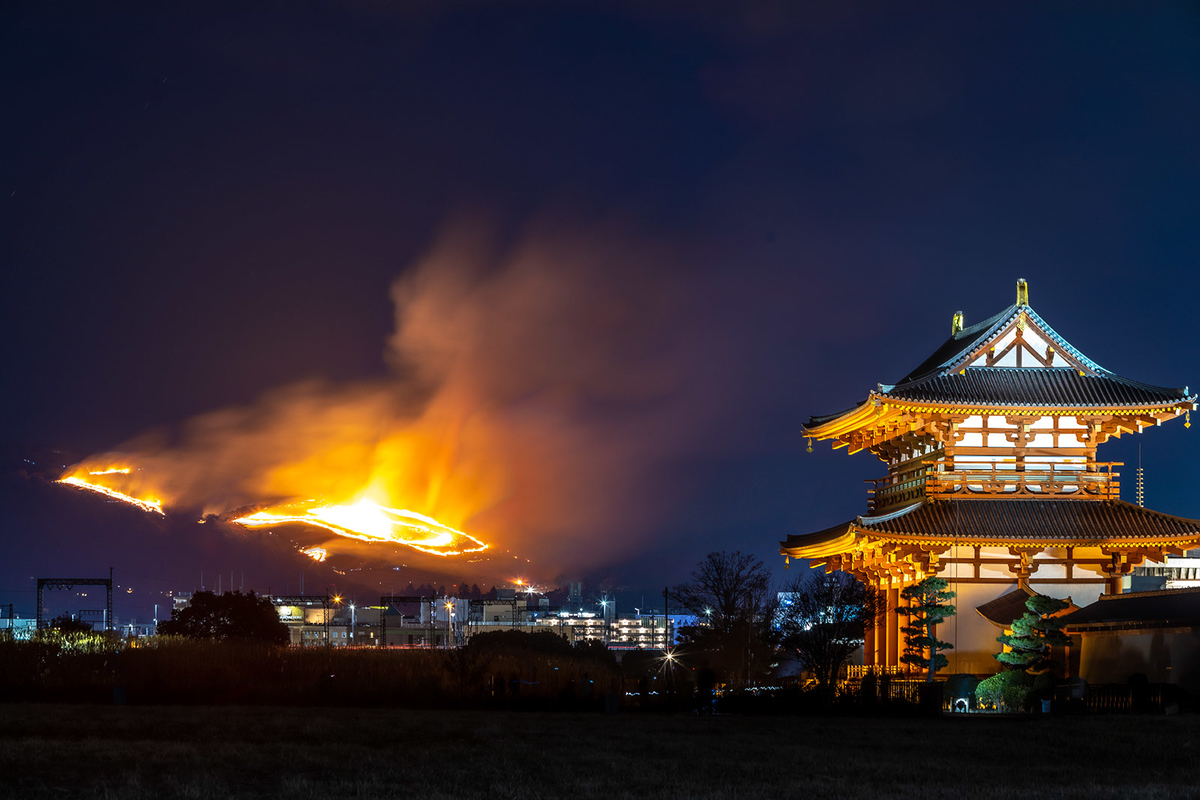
(994, 480)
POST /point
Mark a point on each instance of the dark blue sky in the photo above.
(198, 207)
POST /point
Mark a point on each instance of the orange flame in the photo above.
(144, 503)
(371, 523)
(363, 520)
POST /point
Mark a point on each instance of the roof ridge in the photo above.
(1155, 593)
(1150, 511)
(908, 509)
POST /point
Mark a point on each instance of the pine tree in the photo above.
(1033, 634)
(928, 604)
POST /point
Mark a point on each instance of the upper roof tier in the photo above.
(1014, 362)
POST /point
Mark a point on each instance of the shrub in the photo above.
(1005, 691)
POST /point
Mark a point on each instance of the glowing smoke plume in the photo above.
(535, 392)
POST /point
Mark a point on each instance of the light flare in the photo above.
(371, 522)
(144, 503)
(317, 554)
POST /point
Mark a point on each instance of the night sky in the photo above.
(692, 231)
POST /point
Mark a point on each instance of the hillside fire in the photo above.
(363, 520)
(370, 522)
(77, 480)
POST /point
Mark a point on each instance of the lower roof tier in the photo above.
(1004, 522)
(1138, 611)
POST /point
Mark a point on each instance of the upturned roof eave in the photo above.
(797, 549)
(864, 413)
(844, 537)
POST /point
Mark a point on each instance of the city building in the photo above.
(316, 620)
(993, 481)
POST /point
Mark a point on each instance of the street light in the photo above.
(607, 622)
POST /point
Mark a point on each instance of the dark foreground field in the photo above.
(88, 751)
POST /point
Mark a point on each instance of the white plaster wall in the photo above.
(1035, 340)
(1041, 440)
(1049, 571)
(1009, 359)
(973, 637)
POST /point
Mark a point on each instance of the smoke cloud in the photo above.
(538, 391)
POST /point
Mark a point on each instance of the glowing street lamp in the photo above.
(607, 622)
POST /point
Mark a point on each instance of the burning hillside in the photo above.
(92, 481)
(534, 392)
(369, 522)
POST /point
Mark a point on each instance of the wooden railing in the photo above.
(1098, 481)
(857, 671)
(898, 488)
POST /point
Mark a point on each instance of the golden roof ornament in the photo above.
(1022, 292)
(956, 324)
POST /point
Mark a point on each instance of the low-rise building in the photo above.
(1153, 634)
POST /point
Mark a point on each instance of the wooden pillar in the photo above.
(893, 626)
(869, 644)
(880, 637)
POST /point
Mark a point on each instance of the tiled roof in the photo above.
(1005, 608)
(1033, 519)
(1173, 607)
(1040, 386)
(962, 342)
(1011, 520)
(937, 378)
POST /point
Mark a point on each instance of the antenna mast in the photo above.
(1141, 495)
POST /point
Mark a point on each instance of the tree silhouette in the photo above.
(232, 615)
(730, 596)
(822, 621)
(65, 623)
(929, 604)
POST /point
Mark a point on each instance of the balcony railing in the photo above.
(1093, 481)
(897, 488)
(1097, 481)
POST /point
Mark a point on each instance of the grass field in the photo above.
(214, 752)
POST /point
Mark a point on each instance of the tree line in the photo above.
(744, 628)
